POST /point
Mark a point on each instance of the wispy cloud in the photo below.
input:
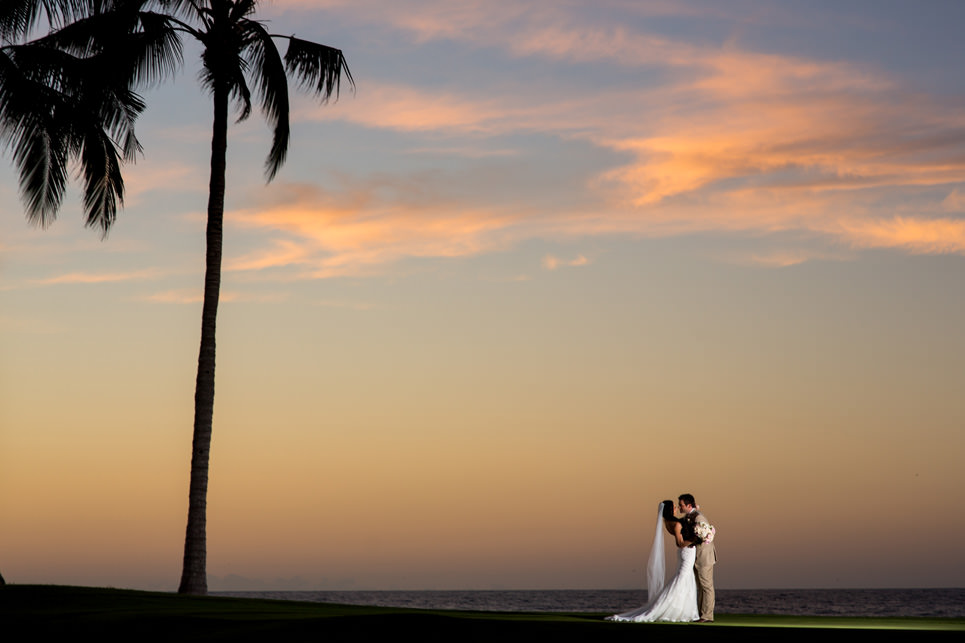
(931, 236)
(356, 231)
(194, 296)
(102, 277)
(281, 253)
(188, 296)
(551, 262)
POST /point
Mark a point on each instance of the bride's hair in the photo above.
(668, 510)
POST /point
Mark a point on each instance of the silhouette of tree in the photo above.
(237, 53)
(70, 95)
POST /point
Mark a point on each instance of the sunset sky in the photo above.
(553, 262)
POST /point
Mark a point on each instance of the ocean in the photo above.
(934, 603)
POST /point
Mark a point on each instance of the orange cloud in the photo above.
(786, 121)
(351, 233)
(282, 253)
(920, 236)
(778, 259)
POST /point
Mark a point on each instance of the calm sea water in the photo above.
(940, 603)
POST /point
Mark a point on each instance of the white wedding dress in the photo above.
(675, 601)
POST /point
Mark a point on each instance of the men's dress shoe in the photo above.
(705, 620)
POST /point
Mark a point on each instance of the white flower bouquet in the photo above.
(704, 532)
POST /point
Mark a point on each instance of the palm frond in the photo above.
(131, 146)
(38, 141)
(317, 68)
(238, 88)
(137, 47)
(55, 106)
(116, 109)
(242, 9)
(187, 9)
(40, 154)
(19, 17)
(160, 48)
(40, 65)
(271, 82)
(93, 85)
(224, 65)
(103, 183)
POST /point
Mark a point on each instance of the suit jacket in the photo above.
(706, 552)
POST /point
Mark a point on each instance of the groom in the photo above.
(706, 557)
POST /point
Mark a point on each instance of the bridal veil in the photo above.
(656, 568)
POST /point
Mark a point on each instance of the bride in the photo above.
(677, 600)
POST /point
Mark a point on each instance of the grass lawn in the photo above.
(32, 611)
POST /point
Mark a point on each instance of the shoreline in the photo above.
(872, 603)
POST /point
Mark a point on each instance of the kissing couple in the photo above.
(689, 596)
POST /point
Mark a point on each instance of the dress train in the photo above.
(677, 602)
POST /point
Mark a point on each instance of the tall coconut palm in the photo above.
(238, 54)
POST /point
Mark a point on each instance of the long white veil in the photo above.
(656, 568)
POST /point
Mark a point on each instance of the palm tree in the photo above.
(237, 53)
(103, 50)
(69, 95)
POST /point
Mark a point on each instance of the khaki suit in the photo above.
(704, 571)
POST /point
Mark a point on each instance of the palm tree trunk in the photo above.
(194, 572)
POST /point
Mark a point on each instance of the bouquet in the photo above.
(704, 532)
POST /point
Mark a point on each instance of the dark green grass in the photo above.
(114, 615)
